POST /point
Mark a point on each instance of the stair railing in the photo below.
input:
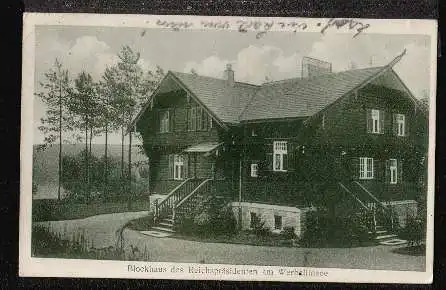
(161, 208)
(184, 203)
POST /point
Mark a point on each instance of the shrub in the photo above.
(288, 233)
(413, 231)
(324, 228)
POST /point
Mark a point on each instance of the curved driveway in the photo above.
(101, 231)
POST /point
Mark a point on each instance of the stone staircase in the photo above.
(185, 200)
(384, 237)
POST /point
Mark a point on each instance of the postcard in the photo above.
(228, 148)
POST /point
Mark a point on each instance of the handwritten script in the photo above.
(262, 27)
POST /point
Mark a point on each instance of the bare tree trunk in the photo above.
(60, 141)
(86, 160)
(130, 170)
(106, 158)
(122, 151)
(89, 161)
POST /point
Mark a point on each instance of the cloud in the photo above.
(253, 64)
(343, 51)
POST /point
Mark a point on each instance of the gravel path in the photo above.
(101, 232)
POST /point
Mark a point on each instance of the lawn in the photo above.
(55, 210)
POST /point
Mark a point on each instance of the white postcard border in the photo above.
(47, 267)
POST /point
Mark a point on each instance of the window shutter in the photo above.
(186, 165)
(171, 120)
(381, 121)
(400, 171)
(377, 167)
(387, 172)
(290, 158)
(395, 124)
(355, 167)
(157, 121)
(406, 125)
(268, 166)
(369, 120)
(171, 167)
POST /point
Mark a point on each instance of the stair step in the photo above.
(385, 237)
(169, 220)
(169, 225)
(163, 229)
(381, 232)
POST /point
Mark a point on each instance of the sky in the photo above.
(275, 56)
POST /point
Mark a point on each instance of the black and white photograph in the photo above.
(231, 148)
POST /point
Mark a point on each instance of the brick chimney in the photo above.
(229, 75)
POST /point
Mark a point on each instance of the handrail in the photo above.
(370, 194)
(354, 196)
(192, 193)
(167, 200)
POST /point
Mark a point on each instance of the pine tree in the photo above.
(87, 112)
(54, 92)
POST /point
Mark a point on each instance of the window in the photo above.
(277, 222)
(375, 121)
(178, 165)
(164, 121)
(254, 220)
(280, 155)
(393, 166)
(253, 133)
(400, 124)
(198, 119)
(365, 168)
(254, 168)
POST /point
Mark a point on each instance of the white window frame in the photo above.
(280, 148)
(254, 170)
(281, 222)
(178, 167)
(393, 168)
(164, 121)
(401, 124)
(375, 115)
(366, 168)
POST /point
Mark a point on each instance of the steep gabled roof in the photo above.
(295, 98)
(226, 102)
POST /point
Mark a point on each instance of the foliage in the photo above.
(325, 229)
(413, 231)
(73, 179)
(213, 221)
(45, 243)
(259, 228)
(289, 233)
(53, 93)
(67, 209)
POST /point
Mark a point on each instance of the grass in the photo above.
(418, 250)
(55, 210)
(46, 244)
(141, 224)
(242, 237)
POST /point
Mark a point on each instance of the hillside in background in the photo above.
(46, 163)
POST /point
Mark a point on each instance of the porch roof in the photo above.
(203, 147)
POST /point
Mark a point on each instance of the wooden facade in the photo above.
(334, 145)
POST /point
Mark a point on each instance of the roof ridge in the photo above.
(214, 78)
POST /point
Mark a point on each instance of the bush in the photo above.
(413, 231)
(326, 229)
(289, 233)
(213, 221)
